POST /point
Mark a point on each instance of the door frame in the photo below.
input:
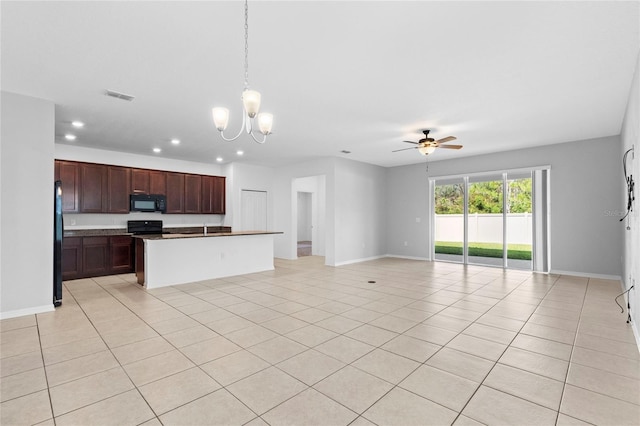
(540, 214)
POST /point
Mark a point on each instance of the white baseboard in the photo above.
(635, 333)
(399, 256)
(364, 259)
(27, 311)
(634, 327)
(587, 275)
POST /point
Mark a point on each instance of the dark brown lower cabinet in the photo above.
(71, 258)
(85, 257)
(95, 256)
(121, 250)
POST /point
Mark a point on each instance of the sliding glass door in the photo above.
(449, 220)
(492, 219)
(519, 220)
(485, 221)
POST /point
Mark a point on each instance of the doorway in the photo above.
(308, 216)
(305, 224)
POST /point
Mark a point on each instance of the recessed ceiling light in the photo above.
(219, 159)
(70, 137)
(157, 150)
(240, 152)
(77, 124)
(175, 141)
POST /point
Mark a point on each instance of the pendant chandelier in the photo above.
(250, 101)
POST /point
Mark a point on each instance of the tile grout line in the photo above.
(321, 282)
(564, 385)
(507, 347)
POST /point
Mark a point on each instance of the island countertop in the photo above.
(157, 237)
(171, 259)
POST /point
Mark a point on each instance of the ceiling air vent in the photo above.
(119, 95)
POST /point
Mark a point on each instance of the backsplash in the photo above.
(114, 221)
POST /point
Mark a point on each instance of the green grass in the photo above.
(514, 251)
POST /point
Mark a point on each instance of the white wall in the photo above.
(248, 177)
(285, 215)
(26, 205)
(585, 177)
(98, 220)
(360, 211)
(631, 238)
(407, 211)
(355, 209)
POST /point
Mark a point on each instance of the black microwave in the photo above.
(147, 203)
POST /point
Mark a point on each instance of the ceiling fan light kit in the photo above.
(250, 101)
(426, 150)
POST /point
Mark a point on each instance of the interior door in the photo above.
(253, 206)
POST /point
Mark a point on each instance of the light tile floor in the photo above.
(387, 342)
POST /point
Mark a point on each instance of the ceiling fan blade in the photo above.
(404, 149)
(415, 143)
(447, 139)
(450, 146)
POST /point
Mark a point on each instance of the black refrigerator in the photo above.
(57, 243)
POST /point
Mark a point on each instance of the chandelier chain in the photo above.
(246, 44)
(250, 101)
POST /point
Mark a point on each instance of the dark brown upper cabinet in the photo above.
(192, 193)
(119, 184)
(93, 188)
(157, 182)
(219, 195)
(99, 188)
(175, 192)
(69, 173)
(140, 181)
(213, 194)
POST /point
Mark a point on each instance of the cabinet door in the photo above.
(218, 197)
(140, 183)
(121, 254)
(157, 182)
(68, 172)
(95, 256)
(192, 193)
(119, 183)
(71, 258)
(175, 193)
(207, 191)
(93, 194)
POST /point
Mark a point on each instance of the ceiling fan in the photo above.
(427, 145)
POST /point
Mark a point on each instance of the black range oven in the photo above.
(144, 227)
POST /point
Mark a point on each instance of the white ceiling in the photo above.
(348, 75)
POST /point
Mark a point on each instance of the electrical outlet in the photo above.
(417, 220)
(406, 243)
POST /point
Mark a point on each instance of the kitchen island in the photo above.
(170, 259)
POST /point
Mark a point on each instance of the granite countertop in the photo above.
(123, 231)
(201, 235)
(95, 232)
